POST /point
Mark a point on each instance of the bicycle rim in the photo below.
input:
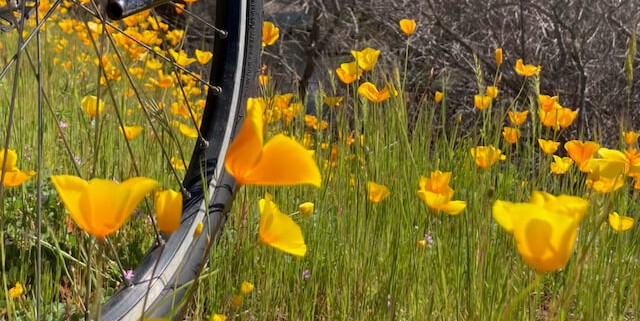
(164, 271)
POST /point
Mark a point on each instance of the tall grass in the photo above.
(363, 261)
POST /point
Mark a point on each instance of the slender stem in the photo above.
(97, 301)
(87, 294)
(506, 314)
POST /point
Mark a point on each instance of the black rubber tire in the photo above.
(235, 69)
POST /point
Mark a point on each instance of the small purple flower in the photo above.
(63, 125)
(429, 239)
(306, 274)
(128, 274)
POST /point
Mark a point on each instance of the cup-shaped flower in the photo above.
(485, 156)
(16, 291)
(437, 97)
(281, 161)
(181, 57)
(349, 72)
(544, 229)
(168, 206)
(620, 223)
(246, 287)
(130, 132)
(92, 105)
(548, 103)
(482, 102)
(437, 194)
(377, 192)
(332, 101)
(630, 137)
(492, 92)
(581, 152)
(511, 134)
(548, 146)
(306, 209)
(628, 159)
(561, 165)
(270, 33)
(408, 26)
(203, 57)
(518, 118)
(13, 176)
(101, 206)
(558, 117)
(527, 70)
(371, 93)
(366, 58)
(279, 230)
(498, 56)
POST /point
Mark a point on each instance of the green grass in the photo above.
(363, 262)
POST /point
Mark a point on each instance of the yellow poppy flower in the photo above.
(246, 287)
(279, 230)
(153, 64)
(101, 206)
(605, 175)
(168, 206)
(332, 101)
(548, 103)
(13, 176)
(181, 57)
(130, 132)
(203, 57)
(630, 137)
(438, 96)
(498, 56)
(544, 229)
(518, 118)
(565, 117)
(270, 33)
(16, 291)
(486, 156)
(408, 26)
(281, 161)
(560, 165)
(620, 223)
(527, 70)
(633, 158)
(492, 92)
(306, 209)
(187, 130)
(92, 105)
(581, 152)
(198, 229)
(177, 163)
(219, 317)
(437, 194)
(263, 80)
(11, 159)
(371, 93)
(366, 58)
(511, 134)
(482, 102)
(548, 146)
(377, 192)
(349, 72)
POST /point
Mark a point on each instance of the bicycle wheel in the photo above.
(158, 283)
(235, 71)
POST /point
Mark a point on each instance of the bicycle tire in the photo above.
(211, 189)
